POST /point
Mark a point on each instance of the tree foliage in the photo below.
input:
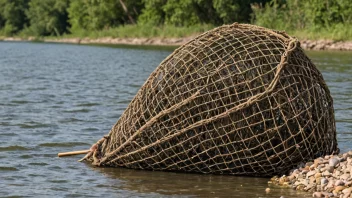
(48, 17)
(304, 14)
(233, 10)
(12, 15)
(192, 12)
(153, 13)
(57, 17)
(102, 14)
(93, 14)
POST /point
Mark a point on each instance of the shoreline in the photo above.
(317, 45)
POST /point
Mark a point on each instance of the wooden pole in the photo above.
(73, 153)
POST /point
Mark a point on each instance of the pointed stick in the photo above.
(73, 153)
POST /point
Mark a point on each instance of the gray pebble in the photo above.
(330, 169)
(339, 183)
(324, 181)
(333, 161)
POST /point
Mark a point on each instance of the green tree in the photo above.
(99, 14)
(93, 14)
(153, 13)
(180, 13)
(2, 20)
(12, 15)
(192, 12)
(327, 13)
(206, 12)
(304, 14)
(270, 15)
(132, 9)
(233, 10)
(48, 17)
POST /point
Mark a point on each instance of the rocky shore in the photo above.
(305, 44)
(326, 45)
(329, 176)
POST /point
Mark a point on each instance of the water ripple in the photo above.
(63, 144)
(76, 111)
(38, 164)
(13, 148)
(88, 104)
(31, 125)
(4, 168)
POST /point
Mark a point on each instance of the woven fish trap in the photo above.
(239, 99)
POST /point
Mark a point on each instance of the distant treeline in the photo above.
(58, 17)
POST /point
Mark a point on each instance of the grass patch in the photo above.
(127, 31)
(337, 33)
(142, 31)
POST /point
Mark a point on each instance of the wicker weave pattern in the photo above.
(239, 99)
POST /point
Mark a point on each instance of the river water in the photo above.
(60, 97)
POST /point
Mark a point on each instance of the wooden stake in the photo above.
(73, 153)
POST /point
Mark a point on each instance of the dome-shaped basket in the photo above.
(239, 99)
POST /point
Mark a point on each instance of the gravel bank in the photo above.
(305, 44)
(329, 176)
(326, 45)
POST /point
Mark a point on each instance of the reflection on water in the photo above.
(186, 184)
(58, 97)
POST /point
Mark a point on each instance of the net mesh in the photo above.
(239, 99)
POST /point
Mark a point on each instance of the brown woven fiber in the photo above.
(239, 99)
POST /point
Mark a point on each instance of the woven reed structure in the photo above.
(239, 99)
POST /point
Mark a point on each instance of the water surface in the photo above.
(60, 97)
